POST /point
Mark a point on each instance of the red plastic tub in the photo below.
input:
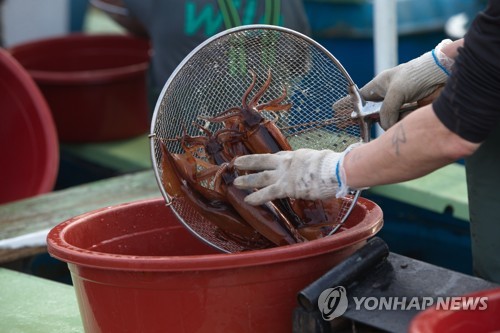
(461, 321)
(95, 84)
(136, 268)
(28, 139)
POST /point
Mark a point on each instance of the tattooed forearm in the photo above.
(398, 138)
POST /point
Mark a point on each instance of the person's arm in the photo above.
(415, 146)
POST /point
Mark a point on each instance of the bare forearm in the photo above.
(417, 145)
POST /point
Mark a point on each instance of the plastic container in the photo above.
(464, 320)
(135, 268)
(28, 139)
(95, 84)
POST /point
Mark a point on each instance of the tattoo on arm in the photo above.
(398, 138)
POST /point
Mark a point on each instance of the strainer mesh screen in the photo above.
(214, 78)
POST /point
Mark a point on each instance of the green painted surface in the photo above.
(97, 21)
(31, 304)
(123, 156)
(439, 191)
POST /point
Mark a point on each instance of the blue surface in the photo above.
(354, 19)
(78, 11)
(357, 54)
(438, 239)
(345, 28)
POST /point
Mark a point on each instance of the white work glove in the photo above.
(302, 174)
(408, 82)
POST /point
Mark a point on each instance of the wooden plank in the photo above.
(26, 221)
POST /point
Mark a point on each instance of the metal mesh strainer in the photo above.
(214, 77)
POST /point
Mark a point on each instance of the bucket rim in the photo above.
(429, 319)
(38, 116)
(77, 38)
(84, 76)
(59, 248)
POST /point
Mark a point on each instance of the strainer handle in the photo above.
(368, 112)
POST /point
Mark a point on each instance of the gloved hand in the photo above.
(408, 82)
(302, 174)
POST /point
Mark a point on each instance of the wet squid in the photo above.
(203, 175)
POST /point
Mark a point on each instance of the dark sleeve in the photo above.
(470, 103)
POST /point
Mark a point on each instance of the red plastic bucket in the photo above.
(95, 84)
(28, 140)
(464, 320)
(135, 268)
